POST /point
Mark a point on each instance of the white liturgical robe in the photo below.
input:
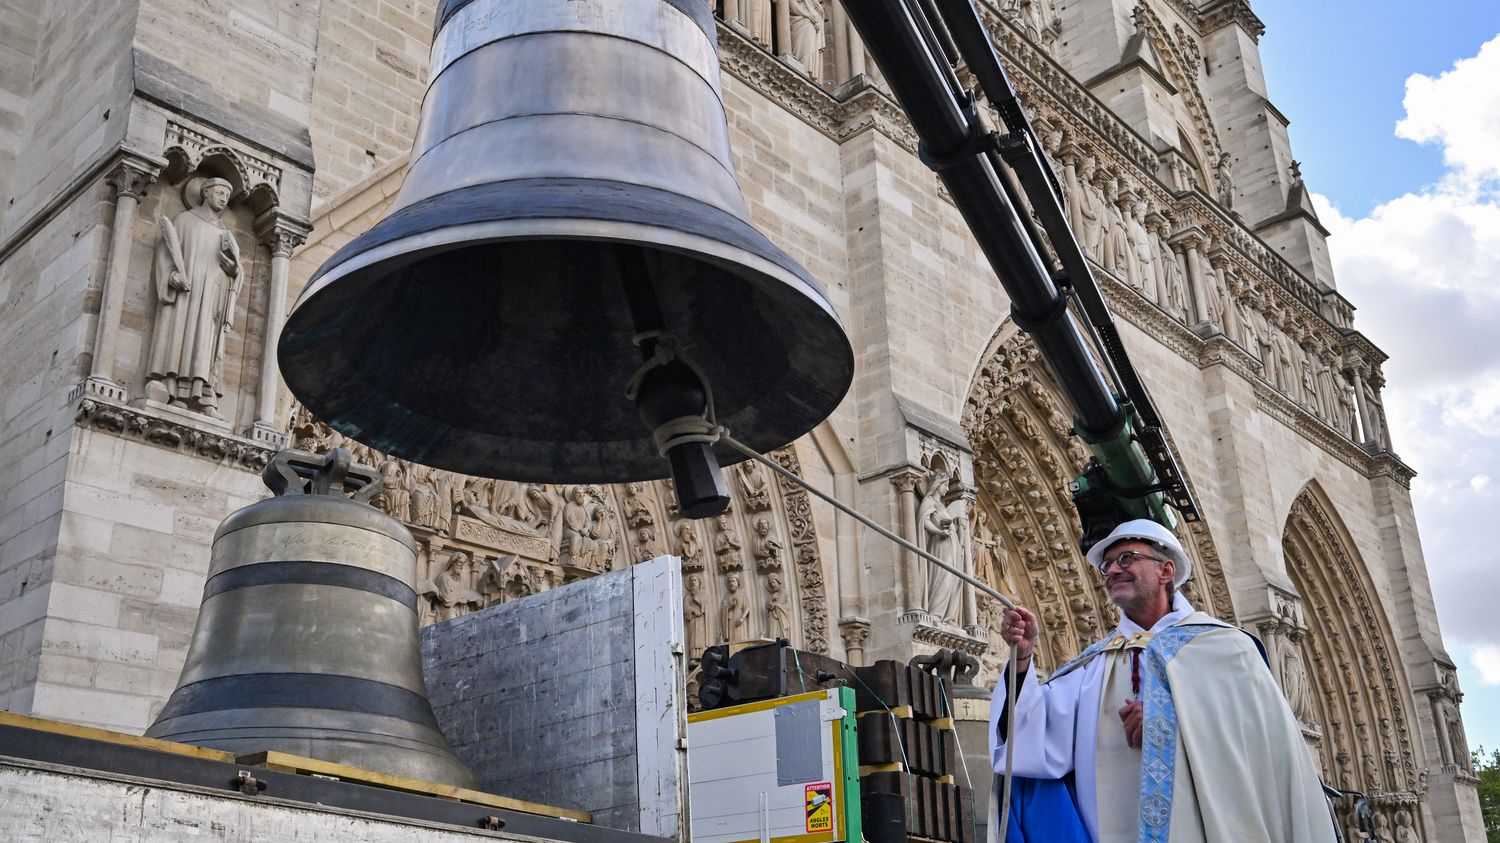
(1241, 769)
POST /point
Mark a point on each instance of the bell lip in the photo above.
(641, 467)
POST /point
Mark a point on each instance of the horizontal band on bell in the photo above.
(311, 573)
(298, 690)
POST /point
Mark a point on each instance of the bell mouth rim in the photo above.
(541, 229)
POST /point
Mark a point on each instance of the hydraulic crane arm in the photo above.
(919, 44)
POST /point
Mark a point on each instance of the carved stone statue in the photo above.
(1174, 285)
(940, 530)
(393, 498)
(1141, 250)
(1090, 211)
(422, 497)
(455, 597)
(579, 548)
(510, 500)
(734, 612)
(1116, 241)
(689, 548)
(778, 619)
(1404, 831)
(199, 275)
(727, 545)
(1294, 682)
(637, 511)
(765, 547)
(753, 486)
(807, 34)
(695, 617)
(542, 508)
(1286, 364)
(1224, 173)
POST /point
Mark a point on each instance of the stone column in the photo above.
(910, 582)
(281, 236)
(855, 631)
(841, 70)
(130, 179)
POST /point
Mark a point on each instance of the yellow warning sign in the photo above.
(820, 807)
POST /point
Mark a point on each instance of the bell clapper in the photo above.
(672, 397)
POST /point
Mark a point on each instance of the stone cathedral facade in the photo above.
(172, 172)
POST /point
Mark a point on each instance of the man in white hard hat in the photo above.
(1171, 728)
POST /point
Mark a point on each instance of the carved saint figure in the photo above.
(423, 498)
(1383, 829)
(579, 549)
(511, 501)
(1141, 249)
(940, 531)
(637, 511)
(1090, 211)
(1404, 831)
(727, 545)
(753, 486)
(475, 493)
(765, 547)
(807, 34)
(393, 499)
(542, 508)
(1225, 175)
(1294, 682)
(199, 274)
(455, 597)
(695, 617)
(1173, 286)
(1116, 241)
(734, 612)
(689, 548)
(778, 619)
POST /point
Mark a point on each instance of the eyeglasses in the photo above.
(1125, 560)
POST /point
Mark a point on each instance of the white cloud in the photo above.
(1487, 661)
(1424, 271)
(1460, 110)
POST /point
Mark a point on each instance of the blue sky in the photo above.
(1395, 114)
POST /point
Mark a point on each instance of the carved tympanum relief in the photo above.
(1025, 531)
(484, 541)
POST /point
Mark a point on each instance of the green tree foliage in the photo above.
(1487, 765)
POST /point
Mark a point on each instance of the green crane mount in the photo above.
(993, 175)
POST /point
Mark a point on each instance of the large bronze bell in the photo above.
(307, 641)
(571, 190)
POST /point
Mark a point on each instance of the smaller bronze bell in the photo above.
(307, 639)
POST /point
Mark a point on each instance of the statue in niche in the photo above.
(727, 545)
(393, 499)
(1376, 421)
(1383, 833)
(1116, 241)
(1174, 284)
(645, 540)
(1090, 210)
(807, 34)
(778, 619)
(1141, 250)
(1346, 415)
(1327, 394)
(1294, 681)
(454, 596)
(1213, 291)
(199, 274)
(734, 612)
(689, 548)
(637, 510)
(1224, 174)
(940, 530)
(753, 485)
(1286, 364)
(695, 617)
(765, 547)
(755, 17)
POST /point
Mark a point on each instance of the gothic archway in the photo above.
(1025, 528)
(1355, 710)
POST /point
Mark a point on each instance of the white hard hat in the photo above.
(1146, 530)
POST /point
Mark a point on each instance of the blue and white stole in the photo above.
(1159, 719)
